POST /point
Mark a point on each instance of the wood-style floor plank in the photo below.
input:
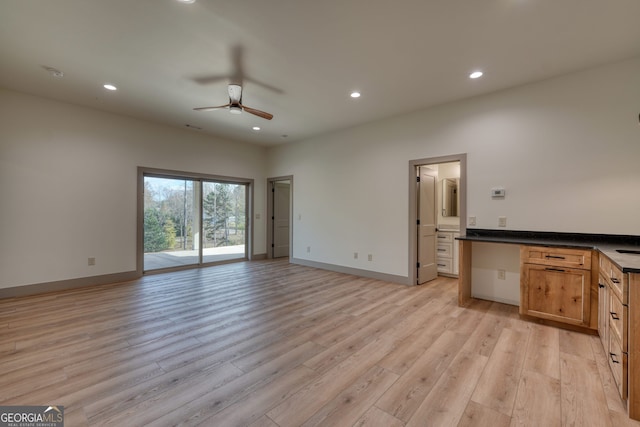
(538, 401)
(480, 415)
(273, 344)
(499, 381)
(582, 395)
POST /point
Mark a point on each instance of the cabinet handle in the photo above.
(559, 270)
(442, 250)
(614, 315)
(442, 265)
(613, 359)
(614, 280)
(601, 286)
(554, 257)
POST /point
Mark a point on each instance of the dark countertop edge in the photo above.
(605, 243)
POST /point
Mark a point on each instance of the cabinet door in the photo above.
(603, 311)
(560, 294)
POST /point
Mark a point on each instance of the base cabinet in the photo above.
(613, 324)
(447, 253)
(555, 284)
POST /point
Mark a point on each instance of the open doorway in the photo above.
(279, 214)
(437, 208)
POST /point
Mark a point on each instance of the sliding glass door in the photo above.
(224, 219)
(191, 221)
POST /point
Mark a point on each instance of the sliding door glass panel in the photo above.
(171, 222)
(224, 221)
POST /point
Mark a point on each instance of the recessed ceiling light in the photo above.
(187, 1)
(256, 128)
(109, 86)
(475, 75)
(355, 94)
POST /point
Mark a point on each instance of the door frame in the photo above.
(270, 212)
(413, 204)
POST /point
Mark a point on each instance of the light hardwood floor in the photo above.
(273, 344)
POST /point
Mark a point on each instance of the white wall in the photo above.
(68, 185)
(566, 150)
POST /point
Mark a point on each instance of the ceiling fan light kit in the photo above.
(235, 104)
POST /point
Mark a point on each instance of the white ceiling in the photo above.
(300, 59)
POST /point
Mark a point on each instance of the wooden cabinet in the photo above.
(614, 312)
(603, 311)
(555, 284)
(447, 253)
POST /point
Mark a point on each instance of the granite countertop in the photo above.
(606, 244)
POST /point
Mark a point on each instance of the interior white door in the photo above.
(281, 212)
(427, 265)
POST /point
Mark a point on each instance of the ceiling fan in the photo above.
(235, 104)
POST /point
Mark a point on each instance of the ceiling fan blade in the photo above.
(235, 94)
(205, 80)
(212, 108)
(258, 113)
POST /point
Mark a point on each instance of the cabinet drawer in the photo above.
(618, 320)
(617, 280)
(445, 237)
(444, 265)
(618, 364)
(558, 257)
(444, 250)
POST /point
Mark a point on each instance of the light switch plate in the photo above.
(502, 221)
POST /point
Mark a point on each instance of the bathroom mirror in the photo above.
(450, 197)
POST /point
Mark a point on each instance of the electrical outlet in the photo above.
(502, 221)
(91, 261)
(308, 249)
(472, 220)
(370, 257)
(502, 274)
(355, 255)
(257, 216)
